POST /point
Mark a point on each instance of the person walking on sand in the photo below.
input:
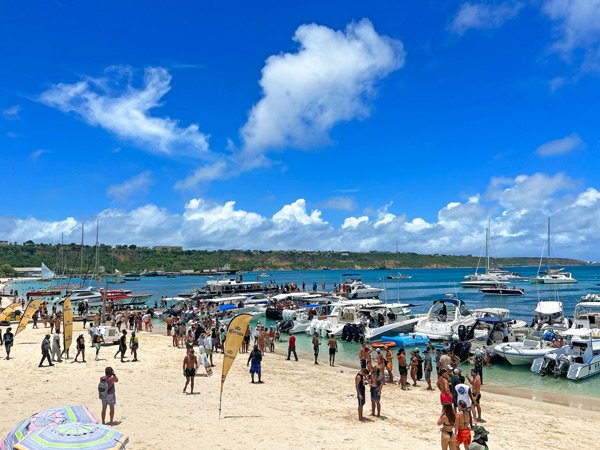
(446, 421)
(292, 347)
(134, 344)
(97, 340)
(359, 384)
(35, 317)
(333, 348)
(80, 342)
(122, 346)
(46, 351)
(56, 353)
(190, 365)
(8, 341)
(107, 394)
(208, 348)
(254, 361)
(476, 390)
(461, 426)
(316, 343)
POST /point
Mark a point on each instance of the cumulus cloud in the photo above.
(518, 208)
(12, 112)
(117, 106)
(561, 146)
(138, 184)
(577, 29)
(327, 81)
(482, 16)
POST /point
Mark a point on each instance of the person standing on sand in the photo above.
(57, 321)
(80, 347)
(56, 353)
(97, 340)
(46, 351)
(389, 363)
(134, 344)
(246, 342)
(8, 341)
(316, 343)
(461, 426)
(256, 359)
(333, 348)
(376, 384)
(190, 365)
(414, 367)
(108, 397)
(478, 361)
(122, 346)
(35, 318)
(447, 420)
(476, 390)
(169, 322)
(444, 387)
(359, 384)
(427, 369)
(361, 355)
(292, 347)
(208, 346)
(402, 367)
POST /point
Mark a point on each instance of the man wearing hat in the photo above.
(255, 358)
(480, 437)
(46, 351)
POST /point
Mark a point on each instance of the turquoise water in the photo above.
(425, 286)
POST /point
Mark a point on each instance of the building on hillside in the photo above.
(168, 248)
(29, 271)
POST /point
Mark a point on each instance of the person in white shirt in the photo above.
(464, 393)
(208, 345)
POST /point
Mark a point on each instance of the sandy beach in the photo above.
(300, 405)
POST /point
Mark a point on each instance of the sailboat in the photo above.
(552, 276)
(492, 277)
(47, 274)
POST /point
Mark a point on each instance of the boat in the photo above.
(380, 319)
(523, 353)
(233, 286)
(399, 276)
(502, 313)
(345, 312)
(552, 276)
(407, 339)
(592, 297)
(131, 279)
(502, 290)
(298, 320)
(354, 288)
(264, 275)
(586, 315)
(550, 315)
(444, 318)
(577, 360)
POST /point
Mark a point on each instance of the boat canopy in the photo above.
(312, 305)
(548, 307)
(580, 332)
(494, 320)
(454, 301)
(497, 311)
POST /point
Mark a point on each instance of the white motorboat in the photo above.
(523, 353)
(549, 314)
(233, 286)
(399, 276)
(552, 276)
(502, 290)
(587, 315)
(592, 297)
(444, 318)
(342, 313)
(577, 360)
(388, 319)
(506, 326)
(355, 289)
(298, 320)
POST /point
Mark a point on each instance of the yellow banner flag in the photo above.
(31, 308)
(67, 323)
(5, 314)
(233, 341)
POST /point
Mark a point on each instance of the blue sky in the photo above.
(336, 125)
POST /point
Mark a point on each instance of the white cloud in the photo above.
(37, 154)
(138, 184)
(341, 203)
(577, 30)
(124, 110)
(327, 81)
(561, 146)
(518, 208)
(12, 112)
(482, 16)
(205, 174)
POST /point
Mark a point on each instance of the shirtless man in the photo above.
(316, 343)
(444, 387)
(359, 383)
(332, 350)
(190, 365)
(461, 426)
(380, 361)
(361, 355)
(169, 322)
(476, 390)
(389, 363)
(401, 356)
(414, 367)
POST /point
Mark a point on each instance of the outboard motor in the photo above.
(360, 333)
(462, 332)
(346, 332)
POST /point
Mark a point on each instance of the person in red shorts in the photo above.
(444, 387)
(461, 426)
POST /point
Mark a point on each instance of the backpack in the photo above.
(102, 389)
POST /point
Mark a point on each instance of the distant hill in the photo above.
(129, 258)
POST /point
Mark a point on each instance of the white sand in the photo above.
(299, 406)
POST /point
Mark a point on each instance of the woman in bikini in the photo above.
(446, 421)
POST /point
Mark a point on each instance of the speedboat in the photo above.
(346, 312)
(523, 353)
(578, 360)
(587, 315)
(355, 289)
(399, 276)
(503, 290)
(407, 339)
(549, 314)
(444, 318)
(387, 318)
(298, 320)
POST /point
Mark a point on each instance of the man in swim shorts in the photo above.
(256, 359)
(190, 365)
(332, 350)
(402, 367)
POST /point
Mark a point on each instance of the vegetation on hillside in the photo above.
(130, 258)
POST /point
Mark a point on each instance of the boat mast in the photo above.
(487, 245)
(548, 244)
(81, 258)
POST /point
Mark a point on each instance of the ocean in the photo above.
(425, 286)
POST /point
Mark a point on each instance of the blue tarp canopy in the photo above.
(226, 307)
(314, 305)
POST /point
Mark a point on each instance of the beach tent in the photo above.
(74, 435)
(49, 417)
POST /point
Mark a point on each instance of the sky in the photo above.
(312, 126)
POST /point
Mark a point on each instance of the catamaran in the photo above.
(552, 276)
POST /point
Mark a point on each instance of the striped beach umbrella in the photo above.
(73, 435)
(46, 418)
